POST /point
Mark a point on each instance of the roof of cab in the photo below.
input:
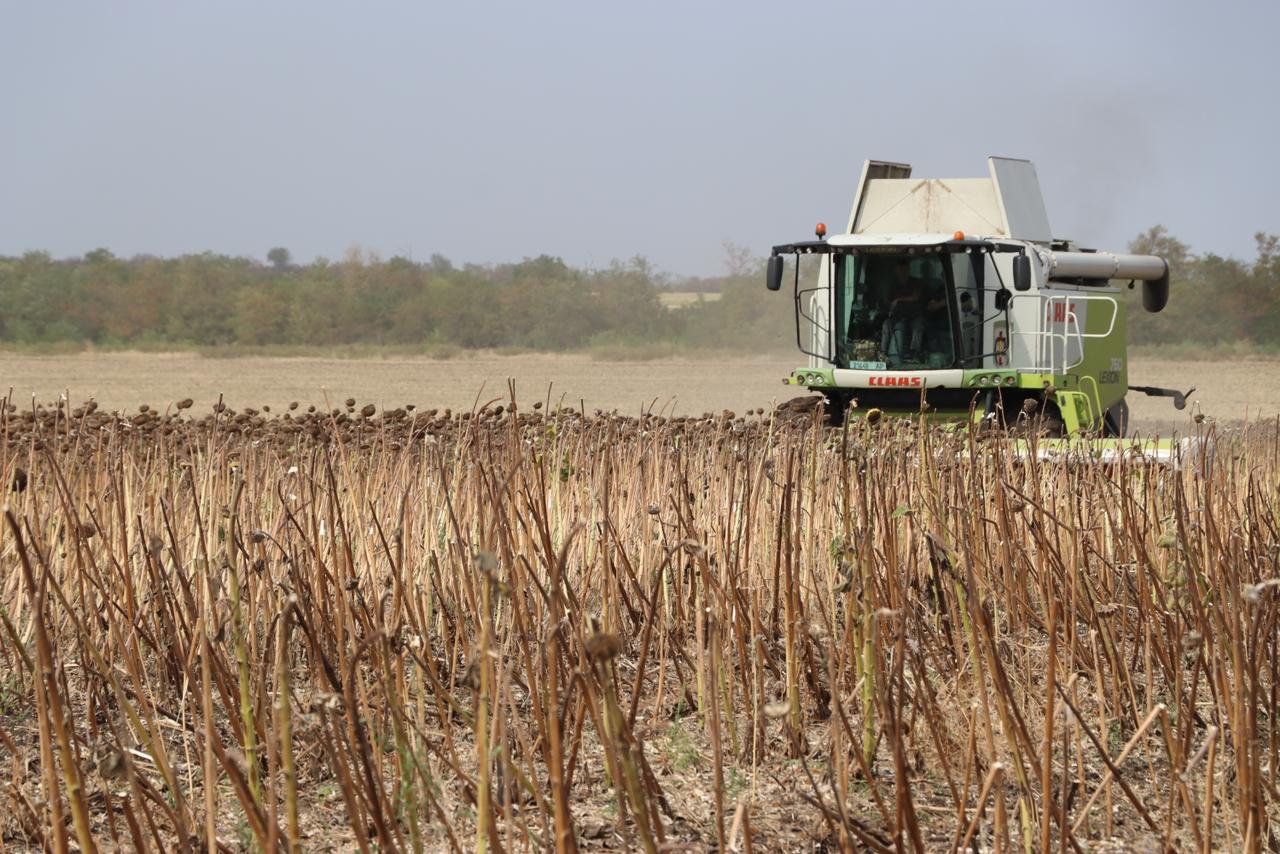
(889, 239)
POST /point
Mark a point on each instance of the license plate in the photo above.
(867, 366)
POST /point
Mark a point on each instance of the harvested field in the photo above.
(526, 630)
(1227, 391)
(684, 299)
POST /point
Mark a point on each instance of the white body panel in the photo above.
(949, 378)
(820, 311)
(872, 169)
(1007, 203)
(1017, 189)
(890, 239)
(930, 205)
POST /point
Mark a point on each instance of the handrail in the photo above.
(1053, 346)
(819, 326)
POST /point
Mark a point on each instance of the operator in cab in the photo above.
(914, 307)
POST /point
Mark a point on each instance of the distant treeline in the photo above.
(213, 300)
(1212, 300)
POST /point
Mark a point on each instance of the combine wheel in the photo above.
(1116, 422)
(836, 406)
(1034, 418)
(1050, 424)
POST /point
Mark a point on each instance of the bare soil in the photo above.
(1226, 391)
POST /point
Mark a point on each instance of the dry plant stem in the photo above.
(1111, 767)
(1046, 767)
(994, 778)
(1208, 794)
(263, 627)
(53, 705)
(624, 749)
(1104, 785)
(284, 728)
(565, 841)
(248, 718)
(484, 815)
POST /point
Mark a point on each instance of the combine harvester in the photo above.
(951, 297)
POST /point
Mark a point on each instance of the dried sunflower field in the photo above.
(518, 629)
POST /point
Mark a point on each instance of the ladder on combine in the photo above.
(1078, 406)
(1057, 346)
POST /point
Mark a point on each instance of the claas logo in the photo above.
(900, 382)
(1061, 311)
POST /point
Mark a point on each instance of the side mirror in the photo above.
(1021, 273)
(773, 273)
(1003, 297)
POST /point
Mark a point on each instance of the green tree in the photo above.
(1266, 270)
(279, 257)
(541, 303)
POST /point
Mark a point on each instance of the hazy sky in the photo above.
(491, 132)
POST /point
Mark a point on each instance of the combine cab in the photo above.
(952, 295)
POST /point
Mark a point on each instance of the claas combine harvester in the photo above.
(951, 297)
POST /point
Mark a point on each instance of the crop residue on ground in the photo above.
(519, 628)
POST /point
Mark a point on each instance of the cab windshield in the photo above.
(908, 312)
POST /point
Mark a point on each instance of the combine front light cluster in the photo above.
(809, 378)
(992, 380)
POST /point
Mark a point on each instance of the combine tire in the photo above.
(1036, 418)
(1116, 422)
(837, 408)
(1050, 424)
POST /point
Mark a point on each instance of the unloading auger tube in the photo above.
(1149, 269)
